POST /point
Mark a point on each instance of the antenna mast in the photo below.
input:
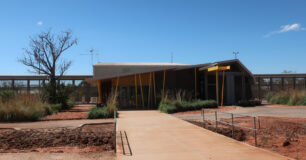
(235, 53)
(91, 53)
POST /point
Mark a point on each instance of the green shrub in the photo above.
(56, 107)
(269, 95)
(99, 112)
(302, 102)
(71, 102)
(173, 106)
(280, 99)
(249, 103)
(5, 95)
(106, 111)
(63, 95)
(24, 108)
(167, 108)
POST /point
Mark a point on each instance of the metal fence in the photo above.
(225, 118)
(284, 135)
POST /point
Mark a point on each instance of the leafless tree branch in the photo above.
(44, 52)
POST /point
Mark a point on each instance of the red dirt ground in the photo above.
(77, 112)
(88, 138)
(286, 136)
(276, 131)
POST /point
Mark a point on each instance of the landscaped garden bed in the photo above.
(94, 137)
(173, 106)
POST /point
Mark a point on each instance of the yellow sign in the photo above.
(219, 68)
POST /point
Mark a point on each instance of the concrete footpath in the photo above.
(158, 136)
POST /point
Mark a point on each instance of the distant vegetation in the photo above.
(288, 72)
(33, 107)
(63, 99)
(292, 97)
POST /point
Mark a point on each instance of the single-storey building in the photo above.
(142, 85)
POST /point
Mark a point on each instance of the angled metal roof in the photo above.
(104, 71)
(193, 66)
(111, 70)
(138, 64)
(107, 77)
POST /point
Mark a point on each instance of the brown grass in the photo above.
(291, 97)
(23, 107)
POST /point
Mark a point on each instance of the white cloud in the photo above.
(286, 28)
(39, 23)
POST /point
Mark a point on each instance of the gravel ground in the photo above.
(267, 110)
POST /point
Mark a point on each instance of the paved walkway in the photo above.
(158, 136)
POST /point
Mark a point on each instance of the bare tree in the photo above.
(44, 56)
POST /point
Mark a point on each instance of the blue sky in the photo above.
(270, 35)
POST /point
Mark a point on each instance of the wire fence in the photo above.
(228, 119)
(284, 135)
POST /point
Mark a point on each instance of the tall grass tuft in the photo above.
(107, 111)
(112, 102)
(6, 95)
(23, 108)
(292, 97)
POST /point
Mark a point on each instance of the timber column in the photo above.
(99, 84)
(217, 69)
